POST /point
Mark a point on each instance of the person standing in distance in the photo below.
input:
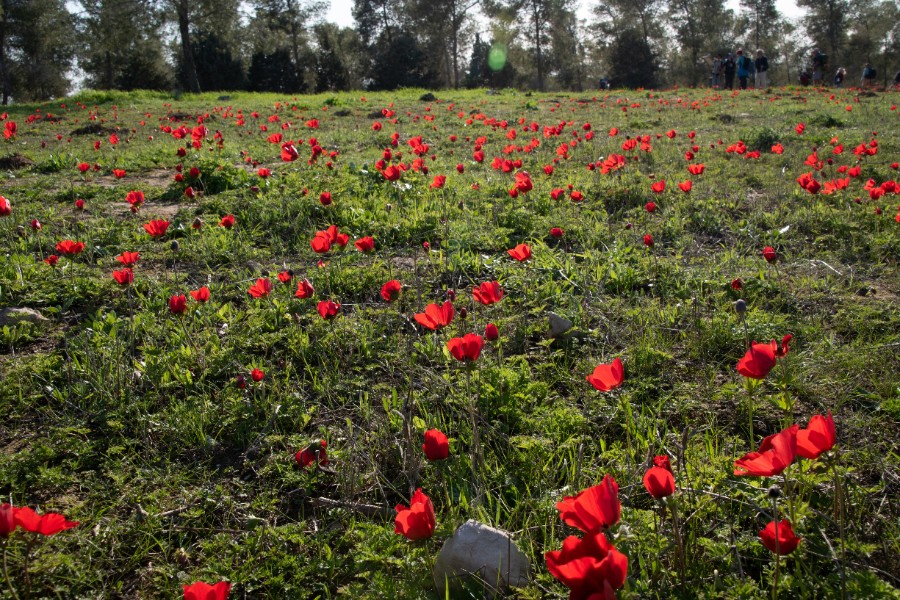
(743, 69)
(716, 71)
(729, 66)
(762, 70)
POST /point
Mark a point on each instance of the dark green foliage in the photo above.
(217, 67)
(632, 62)
(399, 61)
(274, 72)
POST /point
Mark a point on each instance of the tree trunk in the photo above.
(4, 70)
(537, 44)
(184, 28)
(108, 74)
(455, 48)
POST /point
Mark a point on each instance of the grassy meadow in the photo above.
(148, 426)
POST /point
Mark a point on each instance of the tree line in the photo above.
(286, 46)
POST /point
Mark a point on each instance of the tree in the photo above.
(399, 62)
(121, 45)
(188, 65)
(874, 36)
(699, 26)
(217, 67)
(444, 24)
(763, 21)
(632, 61)
(273, 72)
(286, 23)
(339, 57)
(826, 25)
(377, 18)
(36, 49)
(482, 73)
(535, 20)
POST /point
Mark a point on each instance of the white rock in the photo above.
(485, 552)
(14, 316)
(558, 325)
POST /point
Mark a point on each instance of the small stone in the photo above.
(15, 315)
(558, 325)
(485, 552)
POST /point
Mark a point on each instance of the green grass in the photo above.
(129, 420)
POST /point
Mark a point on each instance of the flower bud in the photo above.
(740, 306)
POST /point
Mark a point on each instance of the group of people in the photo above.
(723, 70)
(819, 61)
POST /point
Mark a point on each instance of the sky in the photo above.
(340, 10)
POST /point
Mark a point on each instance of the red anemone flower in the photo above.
(135, 198)
(227, 221)
(201, 295)
(391, 290)
(769, 254)
(776, 453)
(123, 276)
(435, 316)
(308, 455)
(69, 247)
(436, 446)
(488, 293)
(491, 332)
(607, 377)
(261, 288)
(205, 591)
(257, 375)
(686, 186)
(304, 289)
(391, 173)
(365, 244)
(593, 509)
(46, 524)
(590, 567)
(818, 437)
(758, 361)
(416, 522)
(467, 348)
(156, 228)
(7, 520)
(659, 480)
(289, 152)
(128, 259)
(178, 304)
(784, 542)
(328, 309)
(5, 207)
(658, 187)
(648, 240)
(521, 253)
(696, 169)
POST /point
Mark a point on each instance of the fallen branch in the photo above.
(370, 510)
